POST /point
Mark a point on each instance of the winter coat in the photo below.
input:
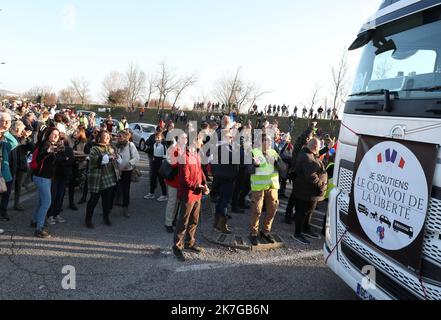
(225, 169)
(311, 177)
(64, 162)
(46, 161)
(130, 157)
(191, 176)
(102, 177)
(18, 157)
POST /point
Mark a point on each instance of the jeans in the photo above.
(58, 192)
(225, 192)
(242, 188)
(44, 201)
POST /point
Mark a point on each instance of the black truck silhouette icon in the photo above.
(401, 227)
(363, 209)
(386, 221)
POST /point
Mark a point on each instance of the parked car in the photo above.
(141, 133)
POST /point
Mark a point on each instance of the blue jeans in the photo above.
(44, 201)
(225, 192)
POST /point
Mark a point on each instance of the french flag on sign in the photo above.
(402, 163)
(391, 156)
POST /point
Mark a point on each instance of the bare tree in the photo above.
(117, 97)
(68, 96)
(315, 96)
(183, 84)
(38, 94)
(255, 96)
(82, 88)
(135, 84)
(151, 87)
(234, 92)
(165, 84)
(340, 82)
(113, 82)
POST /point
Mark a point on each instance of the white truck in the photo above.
(383, 235)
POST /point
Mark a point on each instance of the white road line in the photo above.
(216, 266)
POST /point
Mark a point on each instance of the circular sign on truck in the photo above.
(391, 196)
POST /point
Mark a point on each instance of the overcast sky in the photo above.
(285, 46)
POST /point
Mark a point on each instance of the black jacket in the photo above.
(46, 162)
(149, 145)
(311, 177)
(64, 163)
(225, 169)
(18, 157)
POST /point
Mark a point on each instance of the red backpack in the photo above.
(35, 165)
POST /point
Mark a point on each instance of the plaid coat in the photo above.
(102, 177)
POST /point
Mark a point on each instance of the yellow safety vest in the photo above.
(331, 184)
(266, 176)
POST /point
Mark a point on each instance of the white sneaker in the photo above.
(51, 221)
(149, 196)
(60, 219)
(163, 198)
(2, 231)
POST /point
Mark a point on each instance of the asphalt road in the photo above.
(133, 261)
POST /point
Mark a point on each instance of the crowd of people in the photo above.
(242, 167)
(60, 151)
(234, 162)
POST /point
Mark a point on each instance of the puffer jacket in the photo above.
(311, 177)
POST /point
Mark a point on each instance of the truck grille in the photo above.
(404, 279)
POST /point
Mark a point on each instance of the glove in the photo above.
(106, 160)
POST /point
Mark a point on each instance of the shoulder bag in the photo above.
(136, 173)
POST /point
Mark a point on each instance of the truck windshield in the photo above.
(406, 62)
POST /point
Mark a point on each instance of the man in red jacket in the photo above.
(192, 185)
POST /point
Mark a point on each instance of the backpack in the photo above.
(34, 165)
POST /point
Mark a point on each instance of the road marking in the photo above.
(216, 266)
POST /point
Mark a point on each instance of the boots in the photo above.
(223, 226)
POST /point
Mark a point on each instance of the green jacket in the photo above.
(102, 177)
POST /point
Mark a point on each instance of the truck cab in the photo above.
(396, 95)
